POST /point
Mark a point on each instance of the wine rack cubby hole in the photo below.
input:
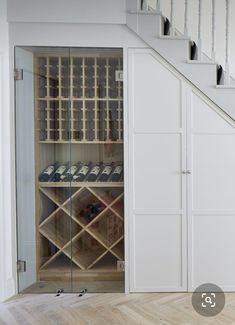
(79, 117)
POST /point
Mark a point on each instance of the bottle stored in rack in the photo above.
(106, 172)
(68, 176)
(117, 173)
(94, 173)
(59, 172)
(82, 173)
(48, 172)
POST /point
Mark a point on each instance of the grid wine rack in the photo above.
(85, 242)
(79, 98)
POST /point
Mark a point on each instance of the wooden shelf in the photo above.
(79, 142)
(81, 184)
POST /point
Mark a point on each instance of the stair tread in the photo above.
(200, 62)
(145, 12)
(170, 37)
(225, 86)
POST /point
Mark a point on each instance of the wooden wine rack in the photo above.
(84, 241)
(78, 101)
(78, 98)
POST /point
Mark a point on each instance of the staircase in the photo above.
(182, 52)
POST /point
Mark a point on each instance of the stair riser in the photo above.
(149, 25)
(201, 75)
(173, 50)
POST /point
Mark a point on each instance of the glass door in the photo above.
(69, 169)
(97, 144)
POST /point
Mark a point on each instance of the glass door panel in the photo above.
(97, 146)
(69, 152)
(42, 110)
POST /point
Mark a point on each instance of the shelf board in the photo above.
(79, 142)
(68, 99)
(81, 184)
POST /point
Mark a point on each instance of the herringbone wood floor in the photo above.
(110, 309)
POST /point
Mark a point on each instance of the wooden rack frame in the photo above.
(66, 228)
(78, 99)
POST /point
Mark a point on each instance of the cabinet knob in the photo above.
(186, 171)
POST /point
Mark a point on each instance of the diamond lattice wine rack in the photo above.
(79, 122)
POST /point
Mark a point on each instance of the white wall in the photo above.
(206, 25)
(69, 11)
(7, 221)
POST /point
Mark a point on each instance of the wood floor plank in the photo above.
(110, 309)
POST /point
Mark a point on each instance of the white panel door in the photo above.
(157, 206)
(211, 199)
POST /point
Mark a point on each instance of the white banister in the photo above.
(186, 18)
(145, 5)
(199, 42)
(159, 7)
(213, 31)
(172, 14)
(227, 74)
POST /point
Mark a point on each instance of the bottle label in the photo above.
(72, 170)
(118, 170)
(107, 170)
(84, 170)
(61, 169)
(49, 170)
(95, 170)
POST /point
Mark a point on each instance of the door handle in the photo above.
(186, 172)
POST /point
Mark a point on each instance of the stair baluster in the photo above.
(159, 7)
(213, 31)
(186, 18)
(227, 68)
(199, 42)
(172, 30)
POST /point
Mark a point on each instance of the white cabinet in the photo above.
(211, 213)
(158, 187)
(182, 182)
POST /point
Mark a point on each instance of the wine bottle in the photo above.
(94, 173)
(59, 172)
(117, 173)
(106, 172)
(68, 176)
(91, 211)
(48, 172)
(82, 173)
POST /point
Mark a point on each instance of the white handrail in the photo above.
(186, 18)
(213, 31)
(159, 7)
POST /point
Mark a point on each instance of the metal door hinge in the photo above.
(118, 75)
(21, 266)
(121, 266)
(18, 74)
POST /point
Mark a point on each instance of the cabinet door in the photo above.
(157, 204)
(211, 196)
